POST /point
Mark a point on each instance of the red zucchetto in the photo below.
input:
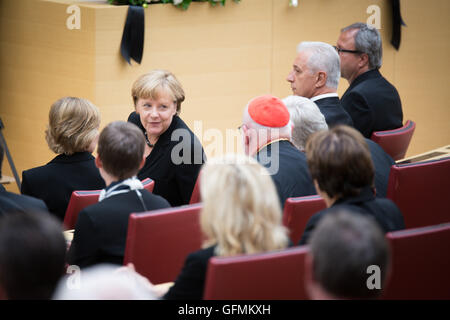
(268, 111)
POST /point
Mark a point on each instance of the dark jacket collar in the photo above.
(371, 74)
(366, 194)
(76, 157)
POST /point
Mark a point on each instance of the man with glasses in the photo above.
(372, 102)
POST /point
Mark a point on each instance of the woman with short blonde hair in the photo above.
(241, 215)
(73, 125)
(72, 133)
(173, 154)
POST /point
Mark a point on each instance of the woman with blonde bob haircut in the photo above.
(72, 133)
(241, 215)
(173, 154)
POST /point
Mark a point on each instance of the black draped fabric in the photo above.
(397, 23)
(132, 45)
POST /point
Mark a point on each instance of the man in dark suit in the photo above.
(267, 136)
(372, 102)
(343, 173)
(307, 119)
(315, 75)
(101, 229)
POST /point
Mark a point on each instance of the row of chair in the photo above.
(158, 243)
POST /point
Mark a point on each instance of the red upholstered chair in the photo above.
(421, 191)
(297, 212)
(266, 276)
(159, 241)
(395, 142)
(195, 197)
(420, 263)
(80, 199)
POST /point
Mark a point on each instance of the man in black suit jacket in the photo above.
(11, 202)
(315, 75)
(343, 173)
(101, 229)
(267, 133)
(372, 102)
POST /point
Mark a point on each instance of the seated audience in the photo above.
(348, 258)
(266, 133)
(173, 153)
(307, 119)
(343, 174)
(241, 215)
(72, 134)
(105, 282)
(32, 252)
(101, 229)
(315, 75)
(371, 101)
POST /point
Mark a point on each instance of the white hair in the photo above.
(103, 282)
(306, 117)
(323, 57)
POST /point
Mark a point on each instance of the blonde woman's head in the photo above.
(73, 126)
(241, 211)
(152, 84)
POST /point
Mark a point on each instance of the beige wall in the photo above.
(224, 56)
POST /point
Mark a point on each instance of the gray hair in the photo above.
(323, 58)
(368, 40)
(343, 246)
(306, 117)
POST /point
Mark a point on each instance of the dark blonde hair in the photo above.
(340, 161)
(151, 84)
(72, 125)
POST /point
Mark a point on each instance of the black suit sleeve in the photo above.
(360, 112)
(190, 283)
(24, 187)
(85, 243)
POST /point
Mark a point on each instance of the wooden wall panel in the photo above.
(223, 56)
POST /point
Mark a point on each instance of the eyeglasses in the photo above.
(339, 50)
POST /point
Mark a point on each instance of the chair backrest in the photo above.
(297, 212)
(195, 197)
(159, 241)
(421, 192)
(80, 199)
(266, 276)
(420, 263)
(395, 142)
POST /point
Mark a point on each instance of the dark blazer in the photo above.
(55, 181)
(288, 168)
(101, 229)
(334, 113)
(173, 181)
(373, 103)
(11, 202)
(190, 283)
(382, 163)
(383, 210)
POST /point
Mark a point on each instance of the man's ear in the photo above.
(321, 79)
(364, 60)
(98, 162)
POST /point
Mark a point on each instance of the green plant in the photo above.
(183, 4)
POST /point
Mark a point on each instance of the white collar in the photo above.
(127, 185)
(325, 95)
